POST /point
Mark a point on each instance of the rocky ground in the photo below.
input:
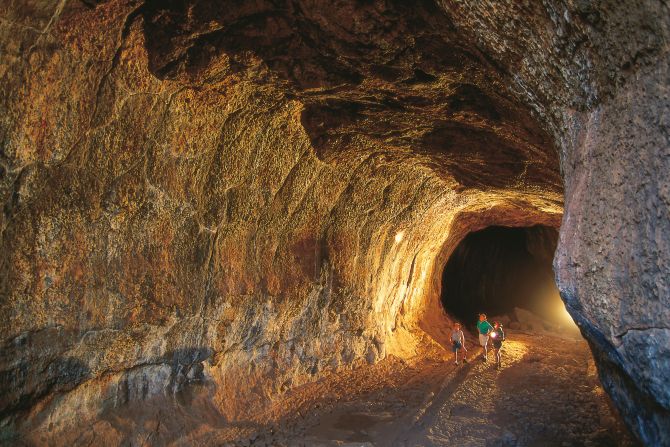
(546, 394)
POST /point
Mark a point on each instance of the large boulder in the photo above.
(532, 322)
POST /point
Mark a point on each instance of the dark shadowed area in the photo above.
(497, 269)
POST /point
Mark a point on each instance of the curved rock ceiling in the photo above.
(257, 193)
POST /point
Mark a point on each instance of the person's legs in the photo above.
(483, 341)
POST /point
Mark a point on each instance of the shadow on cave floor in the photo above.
(547, 394)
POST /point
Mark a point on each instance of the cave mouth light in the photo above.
(498, 269)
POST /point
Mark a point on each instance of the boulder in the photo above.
(532, 322)
(503, 319)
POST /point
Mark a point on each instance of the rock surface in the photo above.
(547, 393)
(250, 197)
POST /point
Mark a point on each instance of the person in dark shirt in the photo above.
(497, 337)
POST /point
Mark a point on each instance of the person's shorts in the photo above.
(497, 344)
(455, 346)
(483, 340)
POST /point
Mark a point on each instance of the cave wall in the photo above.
(597, 72)
(612, 262)
(612, 253)
(252, 197)
(163, 230)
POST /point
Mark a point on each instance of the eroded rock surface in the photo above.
(252, 195)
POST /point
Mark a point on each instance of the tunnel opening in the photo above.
(506, 273)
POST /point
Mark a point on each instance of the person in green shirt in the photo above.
(484, 328)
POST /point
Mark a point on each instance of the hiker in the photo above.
(458, 343)
(484, 328)
(497, 337)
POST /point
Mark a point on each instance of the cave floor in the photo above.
(546, 394)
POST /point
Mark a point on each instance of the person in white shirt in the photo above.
(458, 343)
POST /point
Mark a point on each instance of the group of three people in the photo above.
(486, 332)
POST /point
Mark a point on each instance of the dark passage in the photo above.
(499, 268)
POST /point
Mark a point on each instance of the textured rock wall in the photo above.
(611, 58)
(613, 258)
(598, 74)
(252, 196)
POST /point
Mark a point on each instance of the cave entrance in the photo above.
(503, 272)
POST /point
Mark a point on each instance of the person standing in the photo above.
(484, 328)
(497, 337)
(458, 343)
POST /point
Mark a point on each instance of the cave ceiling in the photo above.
(389, 78)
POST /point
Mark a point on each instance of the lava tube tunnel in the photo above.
(256, 222)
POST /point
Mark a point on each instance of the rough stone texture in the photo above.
(254, 194)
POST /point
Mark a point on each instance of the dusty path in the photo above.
(547, 394)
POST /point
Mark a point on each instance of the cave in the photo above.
(498, 269)
(250, 225)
